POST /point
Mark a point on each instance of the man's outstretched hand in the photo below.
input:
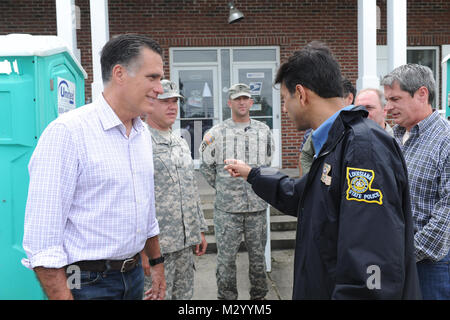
(237, 168)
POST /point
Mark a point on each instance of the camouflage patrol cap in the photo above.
(170, 90)
(238, 90)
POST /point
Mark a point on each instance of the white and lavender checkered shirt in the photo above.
(91, 192)
(427, 155)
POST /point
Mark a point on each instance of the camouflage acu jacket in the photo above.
(177, 203)
(253, 145)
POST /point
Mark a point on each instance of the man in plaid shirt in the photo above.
(425, 140)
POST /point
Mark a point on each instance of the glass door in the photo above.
(266, 104)
(198, 112)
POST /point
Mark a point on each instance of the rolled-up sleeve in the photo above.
(53, 171)
(153, 226)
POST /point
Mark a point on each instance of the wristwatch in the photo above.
(154, 262)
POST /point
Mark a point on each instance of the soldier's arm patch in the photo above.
(207, 140)
(360, 186)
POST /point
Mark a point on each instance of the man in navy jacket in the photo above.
(355, 228)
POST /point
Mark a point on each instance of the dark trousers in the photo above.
(434, 278)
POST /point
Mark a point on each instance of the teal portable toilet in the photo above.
(446, 103)
(39, 79)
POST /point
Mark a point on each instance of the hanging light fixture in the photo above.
(235, 14)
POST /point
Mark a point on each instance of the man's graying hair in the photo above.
(124, 49)
(378, 92)
(410, 78)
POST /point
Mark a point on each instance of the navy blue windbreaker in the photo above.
(355, 230)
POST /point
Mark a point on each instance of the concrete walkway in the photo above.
(279, 280)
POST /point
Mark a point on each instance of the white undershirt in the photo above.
(165, 133)
(242, 125)
(406, 136)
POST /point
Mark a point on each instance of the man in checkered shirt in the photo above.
(425, 140)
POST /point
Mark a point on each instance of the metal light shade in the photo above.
(235, 14)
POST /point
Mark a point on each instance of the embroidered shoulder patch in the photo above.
(360, 186)
(208, 139)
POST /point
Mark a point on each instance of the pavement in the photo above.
(279, 279)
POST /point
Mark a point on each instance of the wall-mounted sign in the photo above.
(255, 88)
(66, 95)
(255, 75)
(256, 107)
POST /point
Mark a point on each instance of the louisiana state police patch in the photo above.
(360, 186)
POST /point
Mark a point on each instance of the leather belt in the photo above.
(107, 265)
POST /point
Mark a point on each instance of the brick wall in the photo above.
(28, 16)
(288, 24)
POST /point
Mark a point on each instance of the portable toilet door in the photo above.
(32, 69)
(446, 103)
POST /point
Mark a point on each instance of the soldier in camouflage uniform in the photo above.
(180, 217)
(238, 210)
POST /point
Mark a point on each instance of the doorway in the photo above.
(204, 76)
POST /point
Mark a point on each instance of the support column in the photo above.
(396, 33)
(268, 248)
(99, 36)
(66, 25)
(367, 45)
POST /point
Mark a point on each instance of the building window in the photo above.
(204, 76)
(427, 56)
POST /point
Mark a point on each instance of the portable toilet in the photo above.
(446, 103)
(39, 79)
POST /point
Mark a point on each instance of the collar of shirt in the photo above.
(320, 135)
(237, 126)
(420, 128)
(109, 119)
(161, 137)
